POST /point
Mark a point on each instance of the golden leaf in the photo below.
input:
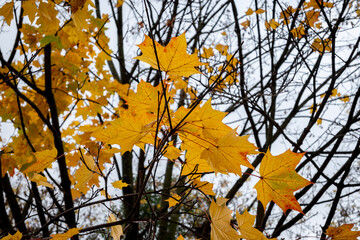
(64, 236)
(119, 184)
(278, 180)
(220, 216)
(43, 160)
(41, 180)
(173, 59)
(247, 231)
(342, 233)
(173, 200)
(117, 230)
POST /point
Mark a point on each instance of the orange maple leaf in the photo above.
(342, 232)
(278, 180)
(173, 59)
(247, 231)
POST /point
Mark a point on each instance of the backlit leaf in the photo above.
(342, 233)
(117, 230)
(220, 216)
(119, 184)
(247, 231)
(41, 180)
(43, 160)
(279, 180)
(173, 59)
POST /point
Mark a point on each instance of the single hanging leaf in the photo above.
(342, 233)
(260, 11)
(117, 230)
(173, 59)
(220, 216)
(64, 236)
(119, 184)
(279, 180)
(249, 11)
(247, 231)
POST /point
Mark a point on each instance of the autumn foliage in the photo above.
(171, 145)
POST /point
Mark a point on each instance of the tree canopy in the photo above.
(179, 119)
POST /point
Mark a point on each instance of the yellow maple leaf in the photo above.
(249, 11)
(271, 24)
(79, 17)
(41, 180)
(16, 236)
(173, 200)
(127, 131)
(204, 186)
(173, 59)
(76, 5)
(321, 45)
(64, 236)
(6, 11)
(85, 175)
(260, 11)
(117, 230)
(180, 237)
(298, 32)
(119, 184)
(120, 3)
(278, 180)
(30, 9)
(247, 231)
(204, 118)
(342, 232)
(43, 160)
(220, 216)
(227, 153)
(172, 152)
(194, 164)
(312, 17)
(47, 13)
(208, 52)
(317, 5)
(345, 98)
(245, 24)
(146, 99)
(223, 49)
